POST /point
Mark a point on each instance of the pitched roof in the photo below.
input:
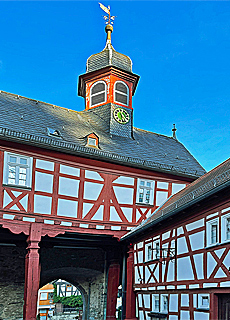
(208, 184)
(26, 121)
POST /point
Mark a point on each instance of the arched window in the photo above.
(98, 93)
(121, 93)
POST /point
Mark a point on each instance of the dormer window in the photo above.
(121, 93)
(98, 93)
(92, 140)
(53, 132)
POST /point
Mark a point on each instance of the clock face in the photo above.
(121, 115)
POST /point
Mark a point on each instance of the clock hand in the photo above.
(123, 116)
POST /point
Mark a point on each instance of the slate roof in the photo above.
(108, 57)
(26, 121)
(213, 181)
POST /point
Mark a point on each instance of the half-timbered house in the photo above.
(73, 183)
(182, 253)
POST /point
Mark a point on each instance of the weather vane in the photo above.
(107, 10)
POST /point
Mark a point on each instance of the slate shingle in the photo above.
(146, 149)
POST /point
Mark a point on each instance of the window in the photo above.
(225, 226)
(17, 170)
(228, 228)
(50, 295)
(203, 301)
(53, 132)
(164, 303)
(149, 255)
(212, 232)
(98, 93)
(145, 191)
(92, 140)
(43, 296)
(156, 246)
(121, 93)
(156, 303)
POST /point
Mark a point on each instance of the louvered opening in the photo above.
(98, 93)
(121, 93)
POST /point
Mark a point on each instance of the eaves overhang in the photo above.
(172, 211)
(93, 75)
(68, 147)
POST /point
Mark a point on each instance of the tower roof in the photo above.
(108, 56)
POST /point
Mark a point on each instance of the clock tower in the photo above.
(108, 86)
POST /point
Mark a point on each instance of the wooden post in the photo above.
(113, 283)
(32, 273)
(130, 294)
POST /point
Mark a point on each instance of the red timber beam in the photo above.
(113, 283)
(35, 232)
(32, 272)
(130, 294)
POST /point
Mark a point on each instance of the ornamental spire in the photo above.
(174, 129)
(108, 21)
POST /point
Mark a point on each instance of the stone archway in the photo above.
(91, 284)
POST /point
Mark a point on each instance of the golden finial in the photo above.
(108, 21)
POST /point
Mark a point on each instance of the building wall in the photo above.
(196, 270)
(70, 195)
(12, 266)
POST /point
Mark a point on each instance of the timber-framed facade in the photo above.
(72, 184)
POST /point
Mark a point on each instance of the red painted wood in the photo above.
(130, 294)
(55, 189)
(15, 226)
(1, 178)
(91, 164)
(113, 283)
(81, 194)
(213, 306)
(32, 273)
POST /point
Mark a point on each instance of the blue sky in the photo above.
(181, 50)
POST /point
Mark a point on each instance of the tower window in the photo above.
(98, 93)
(121, 93)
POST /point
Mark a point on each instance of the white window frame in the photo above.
(224, 230)
(17, 165)
(122, 93)
(163, 296)
(209, 225)
(94, 94)
(145, 188)
(200, 304)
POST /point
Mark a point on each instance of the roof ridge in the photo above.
(158, 134)
(39, 101)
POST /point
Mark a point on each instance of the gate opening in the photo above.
(59, 300)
